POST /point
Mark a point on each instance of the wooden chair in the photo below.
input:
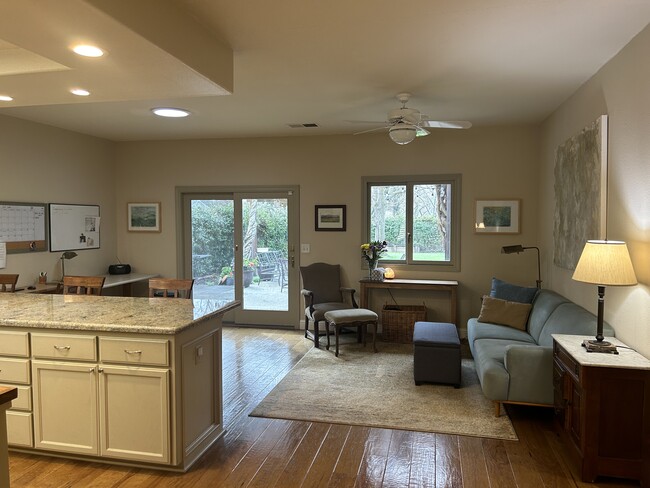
(83, 285)
(8, 282)
(170, 288)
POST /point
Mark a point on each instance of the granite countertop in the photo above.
(626, 357)
(108, 314)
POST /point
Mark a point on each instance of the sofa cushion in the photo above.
(570, 318)
(478, 330)
(544, 305)
(504, 312)
(513, 293)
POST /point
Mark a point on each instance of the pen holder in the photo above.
(42, 279)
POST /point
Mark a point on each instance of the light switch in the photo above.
(305, 248)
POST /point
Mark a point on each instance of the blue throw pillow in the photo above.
(512, 293)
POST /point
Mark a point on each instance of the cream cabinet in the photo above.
(15, 372)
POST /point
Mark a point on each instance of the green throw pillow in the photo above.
(504, 312)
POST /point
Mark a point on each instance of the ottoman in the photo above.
(353, 317)
(436, 353)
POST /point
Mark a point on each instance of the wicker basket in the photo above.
(397, 321)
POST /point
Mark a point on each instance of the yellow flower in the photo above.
(365, 247)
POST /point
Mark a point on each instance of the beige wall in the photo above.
(494, 163)
(619, 89)
(42, 164)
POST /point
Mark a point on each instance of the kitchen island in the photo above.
(124, 380)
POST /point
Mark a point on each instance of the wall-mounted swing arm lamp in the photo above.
(64, 256)
(519, 248)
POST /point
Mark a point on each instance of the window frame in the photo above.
(454, 180)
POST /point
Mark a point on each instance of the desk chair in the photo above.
(170, 288)
(83, 285)
(8, 282)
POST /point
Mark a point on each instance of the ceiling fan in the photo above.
(405, 124)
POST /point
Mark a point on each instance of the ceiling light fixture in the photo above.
(88, 51)
(5, 98)
(170, 112)
(402, 133)
(80, 92)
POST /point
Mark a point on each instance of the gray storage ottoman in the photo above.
(436, 353)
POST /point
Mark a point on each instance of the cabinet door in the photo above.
(134, 413)
(65, 406)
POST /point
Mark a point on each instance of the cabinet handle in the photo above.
(91, 370)
(101, 370)
(61, 348)
(132, 351)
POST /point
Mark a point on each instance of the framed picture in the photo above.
(330, 217)
(143, 217)
(497, 217)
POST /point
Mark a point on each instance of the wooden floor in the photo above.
(258, 452)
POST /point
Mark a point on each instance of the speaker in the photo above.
(118, 269)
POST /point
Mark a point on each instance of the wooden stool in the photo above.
(353, 317)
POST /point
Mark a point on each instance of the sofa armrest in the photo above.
(531, 373)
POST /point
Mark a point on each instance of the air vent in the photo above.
(298, 126)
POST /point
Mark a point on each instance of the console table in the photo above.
(602, 403)
(450, 287)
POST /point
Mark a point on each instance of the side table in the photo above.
(602, 403)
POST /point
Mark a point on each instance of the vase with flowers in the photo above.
(372, 252)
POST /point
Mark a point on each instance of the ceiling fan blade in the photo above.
(366, 121)
(446, 124)
(421, 132)
(371, 130)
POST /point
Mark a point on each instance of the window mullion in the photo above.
(409, 223)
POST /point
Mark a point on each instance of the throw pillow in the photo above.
(512, 293)
(504, 312)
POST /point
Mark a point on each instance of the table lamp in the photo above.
(64, 256)
(604, 263)
(519, 248)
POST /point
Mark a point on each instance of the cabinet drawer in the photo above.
(14, 371)
(24, 399)
(14, 344)
(60, 346)
(136, 351)
(19, 429)
(567, 362)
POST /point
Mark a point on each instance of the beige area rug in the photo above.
(377, 390)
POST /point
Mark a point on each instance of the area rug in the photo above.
(377, 390)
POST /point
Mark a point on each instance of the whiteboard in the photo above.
(74, 227)
(22, 226)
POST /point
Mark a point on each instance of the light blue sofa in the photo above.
(516, 366)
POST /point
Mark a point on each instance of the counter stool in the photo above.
(353, 317)
(436, 353)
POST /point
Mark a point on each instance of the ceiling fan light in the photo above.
(402, 133)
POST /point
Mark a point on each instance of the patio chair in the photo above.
(267, 265)
(322, 292)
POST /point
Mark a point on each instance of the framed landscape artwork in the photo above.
(143, 217)
(330, 217)
(497, 217)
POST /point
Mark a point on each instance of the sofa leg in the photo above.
(497, 409)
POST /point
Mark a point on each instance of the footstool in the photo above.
(436, 353)
(353, 317)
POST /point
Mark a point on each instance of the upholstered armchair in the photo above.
(322, 292)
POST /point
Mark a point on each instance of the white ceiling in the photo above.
(331, 62)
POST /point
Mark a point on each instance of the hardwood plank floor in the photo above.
(258, 452)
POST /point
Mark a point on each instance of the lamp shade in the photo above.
(605, 263)
(402, 133)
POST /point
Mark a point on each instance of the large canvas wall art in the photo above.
(580, 192)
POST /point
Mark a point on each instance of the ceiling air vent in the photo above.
(298, 126)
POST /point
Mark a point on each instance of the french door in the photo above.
(240, 244)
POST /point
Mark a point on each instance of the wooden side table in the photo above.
(6, 395)
(602, 403)
(450, 287)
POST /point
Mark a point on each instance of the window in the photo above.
(419, 218)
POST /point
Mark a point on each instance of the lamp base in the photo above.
(599, 346)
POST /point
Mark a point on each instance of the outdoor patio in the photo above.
(265, 295)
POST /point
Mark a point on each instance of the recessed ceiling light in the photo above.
(88, 51)
(170, 112)
(5, 98)
(80, 92)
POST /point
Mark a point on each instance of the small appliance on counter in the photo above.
(119, 269)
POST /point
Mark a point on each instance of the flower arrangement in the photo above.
(372, 252)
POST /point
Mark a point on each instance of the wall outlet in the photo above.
(305, 248)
